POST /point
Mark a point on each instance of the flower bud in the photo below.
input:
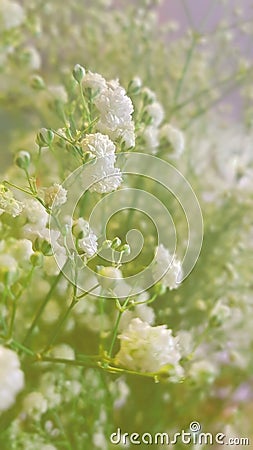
(43, 246)
(116, 243)
(36, 259)
(78, 73)
(37, 83)
(45, 137)
(125, 249)
(23, 159)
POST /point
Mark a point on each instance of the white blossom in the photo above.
(34, 405)
(94, 81)
(59, 93)
(166, 269)
(8, 203)
(11, 14)
(151, 139)
(175, 138)
(148, 349)
(87, 239)
(101, 176)
(156, 112)
(55, 195)
(11, 378)
(142, 311)
(116, 109)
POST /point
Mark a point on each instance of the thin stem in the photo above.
(185, 68)
(43, 305)
(115, 330)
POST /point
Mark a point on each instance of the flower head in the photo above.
(166, 269)
(148, 349)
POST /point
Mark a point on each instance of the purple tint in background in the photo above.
(203, 16)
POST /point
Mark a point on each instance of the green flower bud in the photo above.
(159, 289)
(78, 73)
(37, 83)
(116, 243)
(45, 137)
(23, 160)
(125, 249)
(43, 246)
(36, 259)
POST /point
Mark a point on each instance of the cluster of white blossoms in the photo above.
(167, 269)
(148, 349)
(55, 196)
(8, 203)
(11, 378)
(116, 109)
(11, 14)
(101, 175)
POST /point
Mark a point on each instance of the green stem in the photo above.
(43, 305)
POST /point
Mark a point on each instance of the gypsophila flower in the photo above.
(167, 269)
(11, 378)
(34, 405)
(116, 109)
(142, 311)
(94, 81)
(174, 137)
(87, 240)
(55, 196)
(8, 203)
(156, 113)
(148, 349)
(11, 14)
(101, 176)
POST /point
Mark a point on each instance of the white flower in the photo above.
(36, 213)
(101, 176)
(55, 195)
(203, 371)
(166, 269)
(11, 14)
(151, 139)
(8, 203)
(156, 112)
(99, 440)
(142, 311)
(116, 110)
(87, 239)
(94, 81)
(21, 250)
(34, 405)
(63, 351)
(11, 378)
(148, 349)
(34, 58)
(99, 145)
(58, 93)
(174, 137)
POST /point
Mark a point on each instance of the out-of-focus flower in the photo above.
(11, 14)
(11, 378)
(167, 269)
(174, 137)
